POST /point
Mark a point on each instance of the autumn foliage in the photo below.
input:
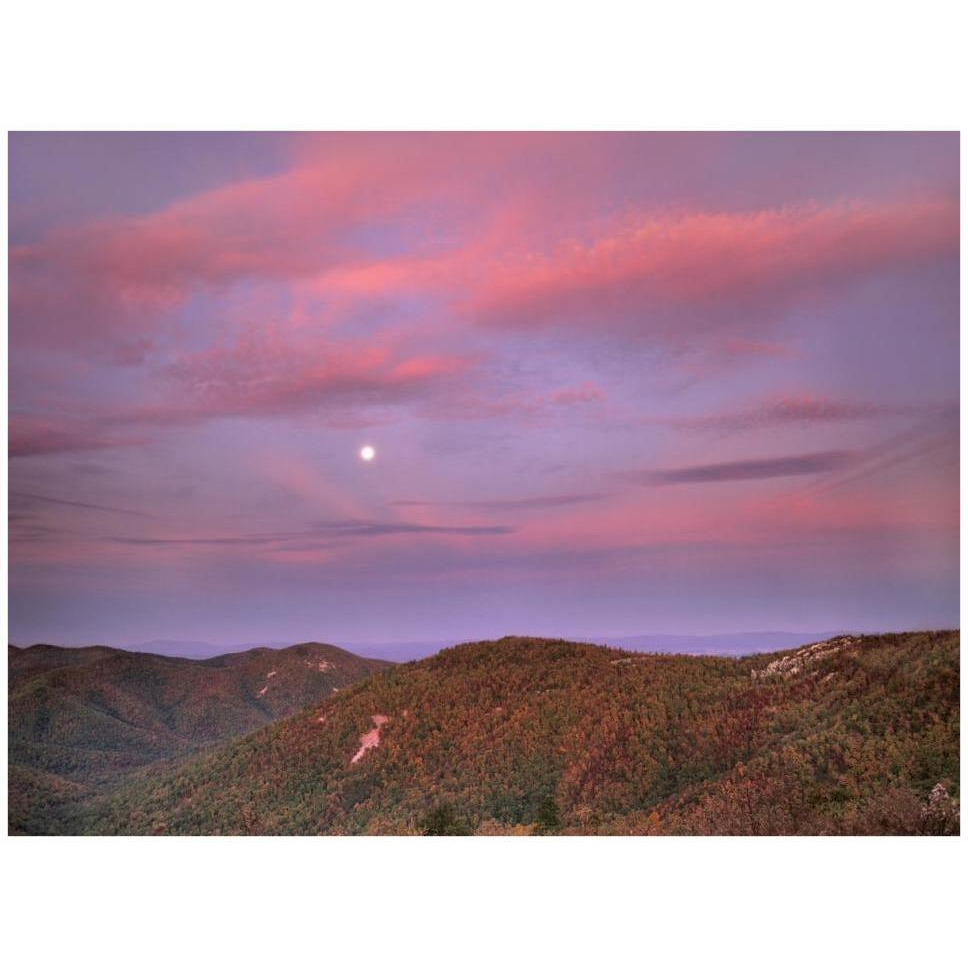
(859, 736)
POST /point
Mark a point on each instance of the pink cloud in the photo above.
(586, 392)
(786, 410)
(788, 521)
(671, 277)
(526, 254)
(463, 402)
(268, 372)
(264, 373)
(500, 232)
(108, 281)
(35, 436)
(471, 197)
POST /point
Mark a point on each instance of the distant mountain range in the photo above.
(197, 650)
(733, 643)
(390, 651)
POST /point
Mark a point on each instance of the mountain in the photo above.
(853, 735)
(730, 643)
(80, 719)
(24, 664)
(390, 651)
(198, 650)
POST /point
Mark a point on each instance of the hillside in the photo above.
(23, 664)
(80, 719)
(856, 735)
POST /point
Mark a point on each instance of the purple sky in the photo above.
(616, 383)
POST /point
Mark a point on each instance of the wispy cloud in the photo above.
(323, 529)
(795, 465)
(912, 444)
(240, 540)
(780, 411)
(265, 374)
(24, 498)
(274, 373)
(39, 436)
(509, 504)
(726, 276)
(367, 529)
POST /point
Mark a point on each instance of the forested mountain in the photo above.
(855, 735)
(80, 719)
(25, 663)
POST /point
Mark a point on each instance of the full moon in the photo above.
(367, 452)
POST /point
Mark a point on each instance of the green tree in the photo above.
(548, 820)
(443, 821)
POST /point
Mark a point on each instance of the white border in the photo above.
(520, 64)
(416, 65)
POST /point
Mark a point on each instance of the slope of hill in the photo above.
(853, 735)
(80, 719)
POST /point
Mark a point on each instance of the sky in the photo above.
(616, 383)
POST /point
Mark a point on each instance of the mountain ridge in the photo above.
(716, 643)
(526, 735)
(82, 719)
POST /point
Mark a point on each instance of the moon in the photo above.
(367, 453)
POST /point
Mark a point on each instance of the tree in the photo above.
(443, 821)
(549, 818)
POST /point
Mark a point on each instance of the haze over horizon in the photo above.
(759, 640)
(723, 644)
(613, 383)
